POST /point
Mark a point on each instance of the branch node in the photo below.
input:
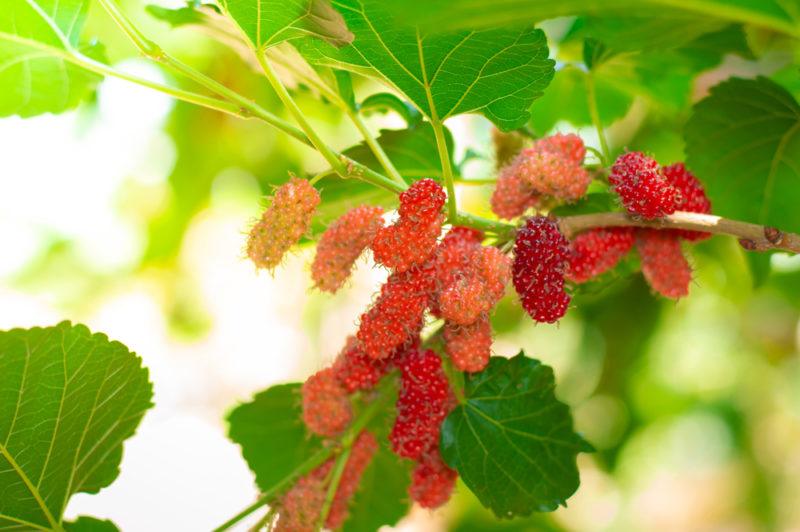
(773, 235)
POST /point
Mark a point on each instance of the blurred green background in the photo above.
(129, 215)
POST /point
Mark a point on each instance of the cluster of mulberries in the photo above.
(551, 167)
(692, 197)
(284, 222)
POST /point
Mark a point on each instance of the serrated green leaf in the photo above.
(270, 431)
(90, 524)
(512, 441)
(743, 142)
(497, 73)
(35, 36)
(270, 22)
(68, 400)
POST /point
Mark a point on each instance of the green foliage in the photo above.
(35, 38)
(386, 101)
(497, 73)
(743, 142)
(69, 399)
(512, 441)
(90, 524)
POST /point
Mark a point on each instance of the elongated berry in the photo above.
(642, 187)
(424, 401)
(432, 481)
(693, 197)
(361, 454)
(469, 346)
(540, 260)
(283, 223)
(396, 316)
(341, 245)
(663, 263)
(299, 509)
(326, 406)
(355, 370)
(596, 251)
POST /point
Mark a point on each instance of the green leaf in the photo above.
(68, 399)
(386, 101)
(270, 431)
(743, 142)
(512, 441)
(646, 32)
(445, 15)
(760, 266)
(90, 524)
(35, 38)
(270, 22)
(497, 73)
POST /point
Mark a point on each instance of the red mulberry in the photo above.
(355, 370)
(341, 245)
(693, 197)
(361, 454)
(432, 481)
(596, 251)
(425, 400)
(423, 199)
(300, 507)
(283, 223)
(540, 261)
(469, 346)
(326, 406)
(396, 316)
(641, 185)
(663, 264)
(495, 270)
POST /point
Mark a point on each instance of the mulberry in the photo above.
(663, 263)
(540, 261)
(469, 346)
(642, 186)
(553, 167)
(341, 245)
(425, 400)
(300, 507)
(693, 197)
(424, 199)
(361, 454)
(326, 406)
(355, 370)
(512, 194)
(596, 251)
(495, 270)
(283, 223)
(396, 316)
(432, 481)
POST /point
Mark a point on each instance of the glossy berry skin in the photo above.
(355, 370)
(326, 406)
(411, 240)
(663, 263)
(361, 454)
(432, 481)
(283, 223)
(424, 401)
(692, 197)
(642, 187)
(341, 245)
(469, 346)
(540, 260)
(596, 251)
(396, 316)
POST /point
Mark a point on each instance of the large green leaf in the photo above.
(512, 441)
(271, 433)
(270, 22)
(35, 37)
(68, 399)
(497, 73)
(446, 15)
(743, 142)
(90, 524)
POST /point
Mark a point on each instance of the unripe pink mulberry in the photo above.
(361, 454)
(540, 261)
(692, 197)
(454, 259)
(495, 270)
(396, 316)
(596, 251)
(469, 346)
(512, 194)
(283, 223)
(425, 400)
(432, 481)
(553, 167)
(300, 507)
(464, 300)
(412, 239)
(663, 263)
(326, 406)
(570, 146)
(341, 245)
(641, 185)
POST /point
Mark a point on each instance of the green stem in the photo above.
(483, 224)
(261, 523)
(447, 170)
(592, 98)
(338, 471)
(373, 144)
(316, 178)
(476, 181)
